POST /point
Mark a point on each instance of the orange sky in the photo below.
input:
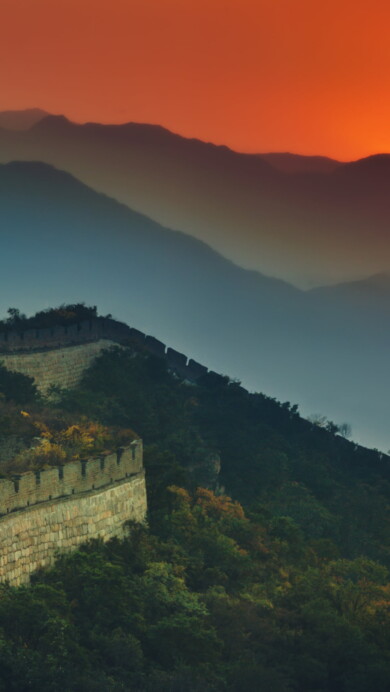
(259, 75)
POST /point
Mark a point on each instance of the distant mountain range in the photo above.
(295, 163)
(63, 242)
(309, 220)
(21, 120)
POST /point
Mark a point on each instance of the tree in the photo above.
(345, 430)
(15, 316)
(17, 387)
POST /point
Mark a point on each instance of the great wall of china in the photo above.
(60, 355)
(59, 508)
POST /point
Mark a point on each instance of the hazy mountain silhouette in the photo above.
(21, 120)
(62, 242)
(310, 227)
(296, 163)
(375, 288)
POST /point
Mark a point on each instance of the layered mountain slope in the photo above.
(62, 242)
(311, 227)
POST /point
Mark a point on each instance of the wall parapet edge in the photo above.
(73, 478)
(98, 329)
(60, 336)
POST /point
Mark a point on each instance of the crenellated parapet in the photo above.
(60, 355)
(60, 336)
(57, 509)
(72, 478)
(178, 362)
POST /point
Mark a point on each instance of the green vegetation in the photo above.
(283, 588)
(44, 435)
(64, 315)
(17, 387)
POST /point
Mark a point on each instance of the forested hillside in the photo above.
(264, 564)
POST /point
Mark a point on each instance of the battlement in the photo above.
(178, 362)
(89, 331)
(57, 509)
(60, 336)
(60, 355)
(30, 488)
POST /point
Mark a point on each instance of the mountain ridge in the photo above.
(21, 119)
(309, 161)
(306, 227)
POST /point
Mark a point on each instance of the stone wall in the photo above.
(59, 508)
(59, 355)
(30, 539)
(58, 336)
(60, 366)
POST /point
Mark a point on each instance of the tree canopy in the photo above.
(263, 566)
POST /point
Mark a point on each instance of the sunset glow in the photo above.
(257, 75)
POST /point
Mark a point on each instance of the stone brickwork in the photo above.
(30, 540)
(59, 508)
(60, 366)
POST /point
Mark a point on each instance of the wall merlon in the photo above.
(155, 346)
(175, 358)
(137, 335)
(196, 370)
